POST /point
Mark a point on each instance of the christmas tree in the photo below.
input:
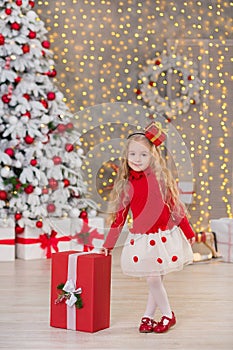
(40, 150)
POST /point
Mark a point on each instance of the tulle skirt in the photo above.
(155, 254)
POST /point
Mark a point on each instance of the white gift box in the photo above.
(186, 191)
(40, 243)
(224, 234)
(7, 239)
(87, 235)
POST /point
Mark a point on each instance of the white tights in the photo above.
(157, 297)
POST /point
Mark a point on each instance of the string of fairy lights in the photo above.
(101, 46)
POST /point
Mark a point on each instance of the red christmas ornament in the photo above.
(83, 214)
(52, 73)
(18, 2)
(10, 152)
(152, 83)
(69, 147)
(39, 224)
(46, 44)
(15, 26)
(25, 48)
(57, 160)
(8, 11)
(45, 190)
(28, 139)
(51, 208)
(6, 99)
(3, 195)
(31, 3)
(18, 216)
(2, 39)
(66, 182)
(32, 34)
(53, 183)
(43, 53)
(69, 126)
(27, 114)
(44, 103)
(138, 92)
(18, 185)
(19, 229)
(190, 77)
(27, 96)
(157, 62)
(29, 189)
(33, 162)
(61, 128)
(18, 80)
(51, 96)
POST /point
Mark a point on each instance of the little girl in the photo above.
(160, 238)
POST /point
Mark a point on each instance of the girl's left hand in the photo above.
(192, 240)
(105, 251)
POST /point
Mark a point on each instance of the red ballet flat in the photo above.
(147, 325)
(162, 327)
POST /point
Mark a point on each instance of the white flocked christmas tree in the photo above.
(40, 150)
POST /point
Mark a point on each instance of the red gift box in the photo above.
(92, 273)
(155, 133)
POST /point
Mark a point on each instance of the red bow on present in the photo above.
(86, 236)
(47, 242)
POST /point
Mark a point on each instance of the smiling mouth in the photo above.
(137, 165)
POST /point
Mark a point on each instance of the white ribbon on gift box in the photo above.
(69, 287)
(72, 275)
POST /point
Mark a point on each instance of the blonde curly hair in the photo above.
(167, 183)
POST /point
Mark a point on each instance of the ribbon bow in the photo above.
(69, 288)
(48, 242)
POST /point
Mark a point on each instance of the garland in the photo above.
(163, 66)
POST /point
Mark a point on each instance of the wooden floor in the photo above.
(201, 296)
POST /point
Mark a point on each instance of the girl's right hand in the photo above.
(105, 251)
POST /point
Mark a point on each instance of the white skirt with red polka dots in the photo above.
(155, 254)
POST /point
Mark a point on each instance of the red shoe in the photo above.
(161, 327)
(147, 325)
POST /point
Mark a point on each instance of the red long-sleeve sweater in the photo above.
(148, 209)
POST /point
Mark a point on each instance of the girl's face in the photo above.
(139, 155)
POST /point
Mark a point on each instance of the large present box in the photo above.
(40, 243)
(86, 273)
(87, 234)
(7, 239)
(223, 229)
